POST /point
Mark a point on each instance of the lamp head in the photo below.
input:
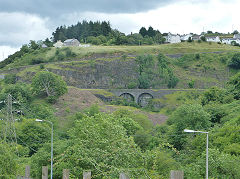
(188, 130)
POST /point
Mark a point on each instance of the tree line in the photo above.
(101, 33)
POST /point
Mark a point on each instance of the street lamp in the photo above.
(192, 131)
(39, 120)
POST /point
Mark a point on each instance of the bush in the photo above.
(235, 61)
(234, 86)
(10, 79)
(173, 81)
(60, 57)
(191, 84)
(132, 85)
(41, 66)
(189, 39)
(203, 38)
(36, 61)
(197, 56)
(224, 60)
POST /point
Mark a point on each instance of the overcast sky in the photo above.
(25, 20)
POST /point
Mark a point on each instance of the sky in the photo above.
(27, 20)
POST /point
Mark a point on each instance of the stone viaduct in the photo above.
(142, 96)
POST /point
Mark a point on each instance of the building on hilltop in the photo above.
(44, 46)
(213, 39)
(185, 37)
(196, 37)
(71, 42)
(172, 38)
(58, 44)
(230, 41)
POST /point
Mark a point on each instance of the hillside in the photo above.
(50, 55)
(204, 64)
(123, 109)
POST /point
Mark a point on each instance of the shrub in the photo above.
(189, 39)
(132, 85)
(36, 61)
(203, 38)
(197, 56)
(191, 84)
(10, 79)
(41, 66)
(60, 57)
(235, 61)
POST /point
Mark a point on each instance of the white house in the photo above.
(172, 38)
(185, 37)
(58, 44)
(71, 42)
(196, 37)
(213, 39)
(230, 40)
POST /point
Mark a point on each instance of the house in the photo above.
(213, 39)
(196, 37)
(172, 38)
(58, 44)
(185, 37)
(230, 41)
(71, 42)
(236, 36)
(44, 46)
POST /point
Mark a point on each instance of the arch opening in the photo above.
(144, 99)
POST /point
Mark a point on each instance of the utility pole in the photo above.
(9, 132)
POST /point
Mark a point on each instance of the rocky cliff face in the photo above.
(100, 74)
(117, 72)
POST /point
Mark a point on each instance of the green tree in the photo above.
(235, 61)
(213, 94)
(160, 162)
(49, 84)
(190, 116)
(20, 92)
(99, 143)
(203, 38)
(33, 134)
(234, 85)
(33, 45)
(143, 31)
(7, 161)
(10, 79)
(151, 32)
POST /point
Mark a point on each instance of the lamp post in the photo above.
(192, 131)
(39, 120)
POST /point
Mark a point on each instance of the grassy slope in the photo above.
(48, 54)
(208, 70)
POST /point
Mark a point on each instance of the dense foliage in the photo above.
(49, 84)
(154, 71)
(125, 140)
(101, 33)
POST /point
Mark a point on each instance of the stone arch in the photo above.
(127, 96)
(144, 99)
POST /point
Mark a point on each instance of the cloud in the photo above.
(5, 51)
(182, 17)
(56, 7)
(20, 28)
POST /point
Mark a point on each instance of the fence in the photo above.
(174, 174)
